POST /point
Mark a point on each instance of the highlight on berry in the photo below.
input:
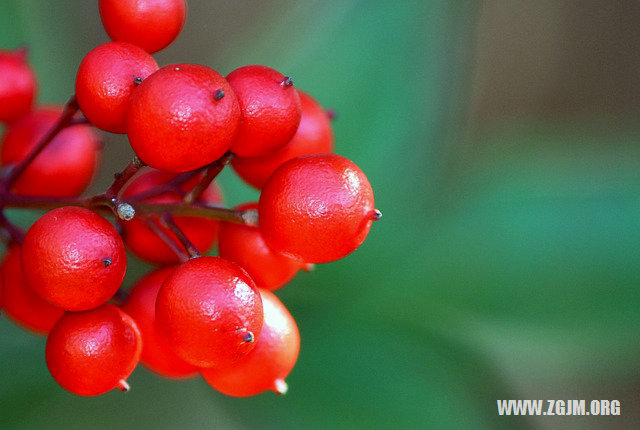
(63, 277)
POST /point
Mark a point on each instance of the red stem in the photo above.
(168, 222)
(69, 111)
(213, 171)
(168, 240)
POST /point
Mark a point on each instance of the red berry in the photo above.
(244, 245)
(210, 310)
(202, 232)
(271, 110)
(150, 24)
(106, 78)
(64, 168)
(157, 355)
(182, 117)
(314, 136)
(90, 353)
(269, 363)
(74, 258)
(21, 303)
(316, 208)
(17, 86)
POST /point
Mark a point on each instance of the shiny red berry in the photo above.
(150, 24)
(17, 85)
(157, 355)
(90, 353)
(182, 117)
(270, 107)
(316, 208)
(146, 244)
(269, 363)
(314, 136)
(244, 245)
(64, 168)
(210, 310)
(21, 303)
(106, 78)
(74, 258)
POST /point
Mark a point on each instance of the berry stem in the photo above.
(213, 171)
(168, 240)
(15, 233)
(168, 222)
(121, 178)
(172, 186)
(70, 109)
(122, 210)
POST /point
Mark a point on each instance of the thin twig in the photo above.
(168, 222)
(168, 240)
(213, 170)
(121, 178)
(70, 109)
(171, 186)
(14, 232)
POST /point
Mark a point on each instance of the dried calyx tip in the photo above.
(287, 82)
(308, 267)
(125, 211)
(123, 386)
(218, 95)
(137, 80)
(376, 214)
(331, 114)
(280, 387)
(107, 261)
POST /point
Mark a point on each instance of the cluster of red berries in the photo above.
(212, 315)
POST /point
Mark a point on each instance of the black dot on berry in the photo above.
(287, 82)
(107, 261)
(137, 80)
(331, 114)
(248, 337)
(218, 94)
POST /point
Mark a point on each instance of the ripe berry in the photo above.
(157, 355)
(105, 80)
(244, 245)
(269, 363)
(21, 303)
(314, 136)
(316, 208)
(150, 24)
(17, 86)
(73, 258)
(210, 310)
(90, 353)
(64, 168)
(271, 110)
(177, 120)
(202, 232)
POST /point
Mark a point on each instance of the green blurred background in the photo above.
(502, 141)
